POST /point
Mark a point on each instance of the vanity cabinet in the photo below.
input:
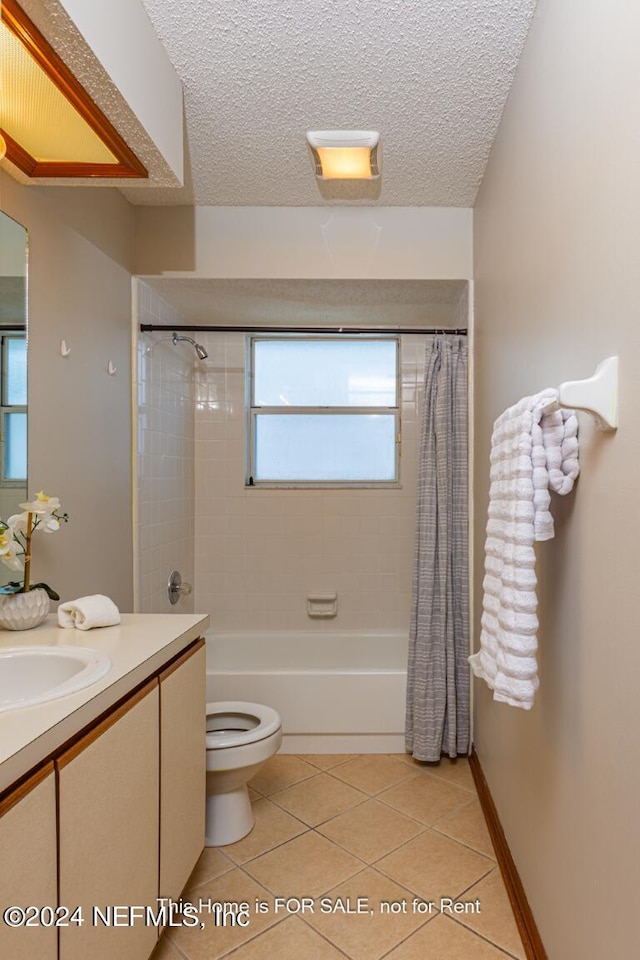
(116, 820)
(182, 768)
(28, 874)
(108, 813)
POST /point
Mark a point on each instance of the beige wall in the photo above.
(557, 251)
(389, 242)
(80, 260)
(164, 489)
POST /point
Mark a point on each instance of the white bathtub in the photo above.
(336, 693)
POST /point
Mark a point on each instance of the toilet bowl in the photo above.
(240, 737)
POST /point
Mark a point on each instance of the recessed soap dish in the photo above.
(322, 605)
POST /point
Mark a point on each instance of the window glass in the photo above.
(15, 446)
(324, 373)
(16, 372)
(325, 447)
(323, 410)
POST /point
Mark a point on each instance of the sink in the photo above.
(32, 675)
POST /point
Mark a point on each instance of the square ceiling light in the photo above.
(345, 154)
(50, 124)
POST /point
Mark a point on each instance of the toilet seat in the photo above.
(232, 723)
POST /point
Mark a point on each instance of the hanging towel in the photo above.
(87, 612)
(534, 449)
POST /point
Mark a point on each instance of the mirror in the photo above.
(13, 371)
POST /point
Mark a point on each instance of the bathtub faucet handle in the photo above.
(176, 588)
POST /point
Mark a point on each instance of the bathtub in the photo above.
(336, 693)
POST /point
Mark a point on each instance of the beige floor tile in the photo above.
(253, 794)
(370, 935)
(281, 772)
(426, 799)
(424, 831)
(325, 761)
(316, 800)
(372, 773)
(211, 864)
(304, 867)
(434, 866)
(495, 920)
(469, 827)
(214, 941)
(455, 771)
(290, 940)
(444, 939)
(273, 826)
(370, 830)
(165, 951)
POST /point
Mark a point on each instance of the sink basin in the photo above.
(32, 675)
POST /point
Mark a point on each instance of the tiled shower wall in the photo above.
(165, 461)
(260, 553)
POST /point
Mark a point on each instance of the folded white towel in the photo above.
(87, 612)
(534, 448)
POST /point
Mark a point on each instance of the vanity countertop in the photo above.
(138, 647)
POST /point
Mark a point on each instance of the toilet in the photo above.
(240, 737)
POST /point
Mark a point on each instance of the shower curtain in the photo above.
(438, 681)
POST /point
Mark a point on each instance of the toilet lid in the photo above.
(230, 723)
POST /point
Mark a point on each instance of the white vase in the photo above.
(22, 611)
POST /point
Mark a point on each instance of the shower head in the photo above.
(201, 353)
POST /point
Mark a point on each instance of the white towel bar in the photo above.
(597, 396)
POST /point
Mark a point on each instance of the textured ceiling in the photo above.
(431, 75)
(317, 302)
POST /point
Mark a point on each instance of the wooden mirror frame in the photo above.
(128, 165)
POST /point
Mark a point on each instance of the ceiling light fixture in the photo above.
(50, 125)
(345, 154)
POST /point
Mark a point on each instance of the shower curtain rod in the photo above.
(223, 328)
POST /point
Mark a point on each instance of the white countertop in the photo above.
(138, 647)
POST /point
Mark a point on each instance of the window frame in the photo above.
(252, 412)
(7, 408)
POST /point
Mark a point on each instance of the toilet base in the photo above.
(229, 817)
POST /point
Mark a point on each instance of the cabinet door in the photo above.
(29, 869)
(182, 769)
(108, 787)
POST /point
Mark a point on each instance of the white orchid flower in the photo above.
(48, 525)
(42, 504)
(44, 521)
(9, 549)
(18, 522)
(16, 533)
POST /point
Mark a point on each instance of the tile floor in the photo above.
(377, 833)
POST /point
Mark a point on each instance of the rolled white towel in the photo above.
(87, 612)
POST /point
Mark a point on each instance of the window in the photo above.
(323, 411)
(13, 412)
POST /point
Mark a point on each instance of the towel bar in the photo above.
(597, 395)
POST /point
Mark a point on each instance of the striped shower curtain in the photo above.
(438, 682)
